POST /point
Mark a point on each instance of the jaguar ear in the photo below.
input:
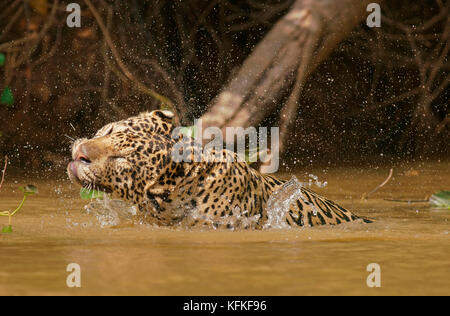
(165, 115)
(159, 121)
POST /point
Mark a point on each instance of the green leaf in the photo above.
(441, 199)
(86, 194)
(251, 156)
(29, 190)
(7, 229)
(165, 107)
(7, 97)
(190, 131)
(2, 59)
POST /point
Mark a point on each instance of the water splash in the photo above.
(280, 201)
(110, 212)
(237, 220)
(314, 180)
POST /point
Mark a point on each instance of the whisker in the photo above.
(71, 138)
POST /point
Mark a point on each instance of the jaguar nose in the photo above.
(81, 156)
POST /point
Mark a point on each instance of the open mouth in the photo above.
(73, 169)
(73, 172)
(81, 169)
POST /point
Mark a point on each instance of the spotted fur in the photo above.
(132, 159)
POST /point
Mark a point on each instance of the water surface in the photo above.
(410, 241)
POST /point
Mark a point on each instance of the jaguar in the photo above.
(132, 159)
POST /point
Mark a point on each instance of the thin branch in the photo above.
(166, 77)
(418, 57)
(7, 12)
(11, 22)
(440, 127)
(407, 201)
(139, 85)
(437, 65)
(289, 111)
(106, 79)
(34, 45)
(398, 98)
(442, 14)
(4, 172)
(436, 92)
(366, 196)
(54, 48)
(11, 46)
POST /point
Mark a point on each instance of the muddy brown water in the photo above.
(409, 241)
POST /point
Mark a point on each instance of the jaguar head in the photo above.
(126, 157)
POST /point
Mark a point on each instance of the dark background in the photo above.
(359, 103)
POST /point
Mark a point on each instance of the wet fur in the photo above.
(132, 159)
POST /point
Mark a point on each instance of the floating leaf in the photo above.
(7, 97)
(86, 194)
(2, 59)
(441, 199)
(7, 229)
(29, 190)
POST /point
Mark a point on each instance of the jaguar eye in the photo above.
(85, 160)
(82, 158)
